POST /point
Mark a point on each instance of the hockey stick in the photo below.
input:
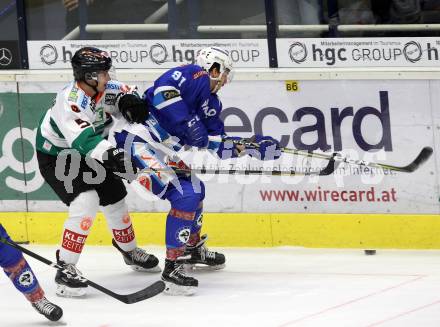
(327, 170)
(141, 295)
(337, 157)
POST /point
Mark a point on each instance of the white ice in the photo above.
(277, 287)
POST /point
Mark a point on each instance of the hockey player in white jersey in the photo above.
(78, 163)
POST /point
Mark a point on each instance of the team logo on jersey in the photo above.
(183, 235)
(86, 223)
(26, 278)
(75, 108)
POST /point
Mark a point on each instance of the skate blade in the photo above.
(202, 267)
(65, 291)
(148, 270)
(173, 289)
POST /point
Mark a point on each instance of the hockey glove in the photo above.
(196, 133)
(118, 161)
(133, 108)
(266, 148)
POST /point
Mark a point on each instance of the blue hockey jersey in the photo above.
(179, 96)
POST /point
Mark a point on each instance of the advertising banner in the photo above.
(380, 121)
(359, 52)
(147, 53)
(385, 121)
(9, 55)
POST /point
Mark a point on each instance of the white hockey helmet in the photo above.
(210, 56)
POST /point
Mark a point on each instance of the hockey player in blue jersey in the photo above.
(18, 270)
(184, 105)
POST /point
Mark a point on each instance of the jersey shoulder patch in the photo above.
(199, 74)
(116, 85)
(76, 99)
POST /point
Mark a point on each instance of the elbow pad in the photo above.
(196, 133)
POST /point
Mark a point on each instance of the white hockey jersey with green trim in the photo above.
(78, 121)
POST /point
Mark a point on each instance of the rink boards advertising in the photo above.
(371, 120)
(375, 119)
(147, 53)
(359, 52)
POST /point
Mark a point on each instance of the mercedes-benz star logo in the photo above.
(5, 57)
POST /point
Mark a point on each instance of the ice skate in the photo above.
(176, 280)
(139, 259)
(67, 286)
(48, 309)
(201, 258)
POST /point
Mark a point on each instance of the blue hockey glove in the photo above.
(266, 148)
(196, 133)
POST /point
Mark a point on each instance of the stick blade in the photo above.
(148, 292)
(423, 156)
(330, 168)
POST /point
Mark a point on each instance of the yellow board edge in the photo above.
(378, 231)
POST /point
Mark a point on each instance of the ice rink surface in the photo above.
(277, 287)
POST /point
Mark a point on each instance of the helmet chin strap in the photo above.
(218, 82)
(217, 86)
(94, 87)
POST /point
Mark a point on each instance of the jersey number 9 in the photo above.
(178, 76)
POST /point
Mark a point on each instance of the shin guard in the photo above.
(82, 213)
(24, 280)
(119, 223)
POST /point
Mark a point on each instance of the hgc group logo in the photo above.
(341, 52)
(298, 52)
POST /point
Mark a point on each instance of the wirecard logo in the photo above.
(339, 118)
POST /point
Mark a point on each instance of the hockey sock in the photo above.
(178, 229)
(196, 227)
(119, 223)
(24, 280)
(82, 213)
